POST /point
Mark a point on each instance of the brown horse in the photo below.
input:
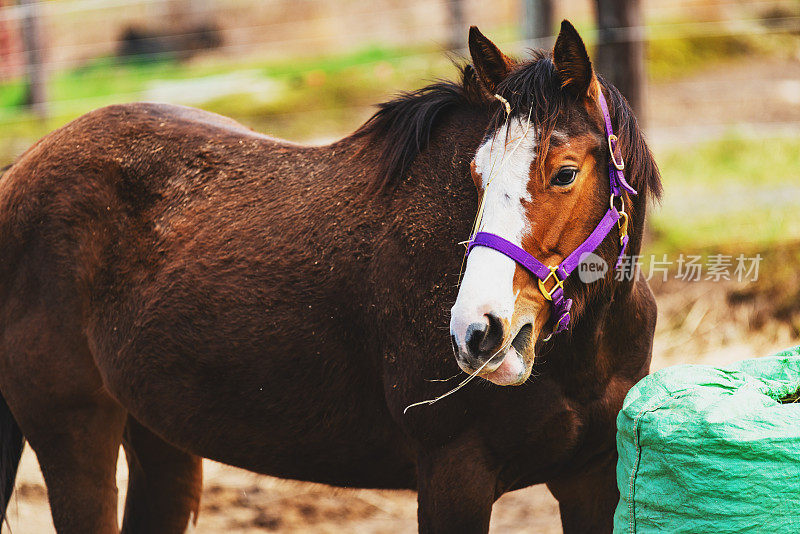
(176, 283)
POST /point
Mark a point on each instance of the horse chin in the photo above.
(517, 362)
(512, 371)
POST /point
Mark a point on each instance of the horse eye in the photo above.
(564, 176)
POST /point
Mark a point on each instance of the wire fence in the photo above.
(649, 32)
(784, 23)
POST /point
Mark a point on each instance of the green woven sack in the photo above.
(710, 450)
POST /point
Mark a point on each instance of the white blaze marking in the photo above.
(504, 163)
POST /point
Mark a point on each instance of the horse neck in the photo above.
(612, 336)
(376, 238)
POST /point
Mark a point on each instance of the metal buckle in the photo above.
(621, 165)
(621, 202)
(551, 334)
(622, 222)
(623, 227)
(558, 283)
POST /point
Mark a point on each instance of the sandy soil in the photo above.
(238, 502)
(763, 91)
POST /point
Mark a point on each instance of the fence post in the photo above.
(458, 26)
(620, 48)
(537, 19)
(35, 97)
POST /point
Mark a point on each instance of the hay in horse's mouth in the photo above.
(512, 366)
(521, 343)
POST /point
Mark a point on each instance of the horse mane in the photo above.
(402, 126)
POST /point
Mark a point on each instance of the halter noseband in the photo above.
(556, 275)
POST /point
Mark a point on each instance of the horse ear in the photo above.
(490, 63)
(572, 61)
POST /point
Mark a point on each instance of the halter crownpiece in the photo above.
(615, 168)
(554, 276)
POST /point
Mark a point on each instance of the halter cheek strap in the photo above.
(615, 163)
(554, 276)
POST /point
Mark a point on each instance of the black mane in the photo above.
(402, 126)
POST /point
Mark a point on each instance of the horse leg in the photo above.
(587, 500)
(78, 457)
(52, 386)
(456, 490)
(164, 484)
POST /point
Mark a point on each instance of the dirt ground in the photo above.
(697, 324)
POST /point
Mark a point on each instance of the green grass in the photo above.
(735, 196)
(323, 102)
(669, 58)
(309, 97)
(734, 192)
(110, 77)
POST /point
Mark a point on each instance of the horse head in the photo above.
(553, 194)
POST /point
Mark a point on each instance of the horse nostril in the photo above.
(484, 338)
(494, 337)
(475, 334)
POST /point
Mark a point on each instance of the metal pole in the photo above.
(537, 19)
(620, 48)
(458, 26)
(36, 97)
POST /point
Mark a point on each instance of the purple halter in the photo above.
(559, 273)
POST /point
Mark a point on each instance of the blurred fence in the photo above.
(75, 33)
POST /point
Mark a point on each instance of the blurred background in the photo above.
(716, 84)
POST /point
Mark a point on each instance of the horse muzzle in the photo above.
(487, 347)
